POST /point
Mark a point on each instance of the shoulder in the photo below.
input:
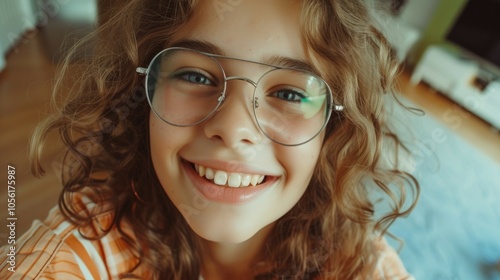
(57, 249)
(42, 249)
(389, 265)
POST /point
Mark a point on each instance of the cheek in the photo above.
(166, 138)
(166, 141)
(159, 133)
(162, 148)
(300, 162)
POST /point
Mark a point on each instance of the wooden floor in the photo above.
(473, 129)
(25, 87)
(25, 90)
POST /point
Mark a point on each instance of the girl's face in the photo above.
(230, 143)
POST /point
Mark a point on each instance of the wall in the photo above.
(432, 19)
(418, 13)
(440, 23)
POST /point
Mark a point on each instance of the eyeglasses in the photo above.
(186, 87)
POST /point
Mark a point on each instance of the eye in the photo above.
(288, 95)
(195, 77)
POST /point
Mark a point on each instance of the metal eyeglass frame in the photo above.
(146, 71)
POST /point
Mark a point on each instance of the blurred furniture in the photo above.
(66, 23)
(402, 37)
(16, 17)
(448, 73)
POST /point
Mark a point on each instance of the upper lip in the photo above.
(232, 166)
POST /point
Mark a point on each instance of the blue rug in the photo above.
(454, 232)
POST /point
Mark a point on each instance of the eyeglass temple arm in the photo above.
(337, 107)
(142, 71)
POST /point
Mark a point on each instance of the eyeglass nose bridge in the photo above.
(235, 78)
(240, 78)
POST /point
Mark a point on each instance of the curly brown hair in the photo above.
(103, 122)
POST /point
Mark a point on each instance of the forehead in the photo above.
(247, 29)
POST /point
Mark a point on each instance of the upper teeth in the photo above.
(223, 178)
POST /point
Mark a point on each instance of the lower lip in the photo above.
(225, 194)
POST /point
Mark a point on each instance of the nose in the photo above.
(233, 124)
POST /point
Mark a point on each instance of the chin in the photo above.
(222, 231)
(228, 238)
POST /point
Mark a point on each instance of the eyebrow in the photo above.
(201, 46)
(274, 60)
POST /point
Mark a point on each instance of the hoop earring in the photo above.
(136, 194)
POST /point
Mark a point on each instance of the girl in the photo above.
(224, 140)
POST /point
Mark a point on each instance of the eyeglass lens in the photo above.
(186, 87)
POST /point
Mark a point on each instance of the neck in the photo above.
(233, 260)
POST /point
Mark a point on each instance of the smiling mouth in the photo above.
(228, 179)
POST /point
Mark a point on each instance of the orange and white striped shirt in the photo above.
(56, 249)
